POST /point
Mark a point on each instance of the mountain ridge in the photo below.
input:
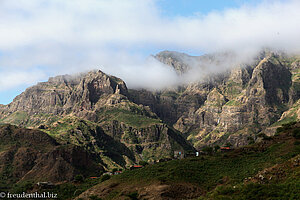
(92, 110)
(247, 98)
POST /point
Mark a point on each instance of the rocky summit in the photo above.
(229, 107)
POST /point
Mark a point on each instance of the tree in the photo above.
(114, 170)
(228, 144)
(144, 163)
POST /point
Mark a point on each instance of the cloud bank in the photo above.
(50, 37)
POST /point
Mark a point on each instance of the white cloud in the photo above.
(76, 35)
(11, 78)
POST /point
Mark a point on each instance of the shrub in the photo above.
(208, 149)
(217, 147)
(114, 170)
(225, 190)
(228, 144)
(296, 133)
(251, 140)
(288, 125)
(94, 197)
(264, 136)
(79, 178)
(23, 187)
(144, 163)
(133, 195)
(105, 177)
(279, 130)
(66, 190)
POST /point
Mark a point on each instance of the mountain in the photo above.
(231, 106)
(91, 122)
(92, 110)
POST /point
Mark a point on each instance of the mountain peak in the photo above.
(179, 61)
(64, 93)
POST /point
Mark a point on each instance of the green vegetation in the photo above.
(144, 163)
(16, 118)
(232, 103)
(130, 137)
(286, 127)
(78, 178)
(296, 133)
(133, 195)
(64, 191)
(286, 190)
(207, 171)
(192, 136)
(105, 177)
(232, 89)
(136, 119)
(286, 120)
(73, 130)
(22, 119)
(21, 187)
(210, 172)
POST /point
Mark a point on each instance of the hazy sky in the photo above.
(42, 38)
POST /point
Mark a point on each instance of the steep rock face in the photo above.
(244, 100)
(33, 155)
(258, 103)
(65, 94)
(151, 143)
(170, 105)
(90, 136)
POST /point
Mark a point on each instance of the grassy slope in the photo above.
(132, 118)
(211, 172)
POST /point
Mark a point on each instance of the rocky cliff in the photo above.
(230, 107)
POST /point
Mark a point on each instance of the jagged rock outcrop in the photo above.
(236, 103)
(65, 94)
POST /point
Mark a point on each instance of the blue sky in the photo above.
(42, 38)
(173, 8)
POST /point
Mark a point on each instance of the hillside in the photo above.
(269, 169)
(32, 155)
(92, 110)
